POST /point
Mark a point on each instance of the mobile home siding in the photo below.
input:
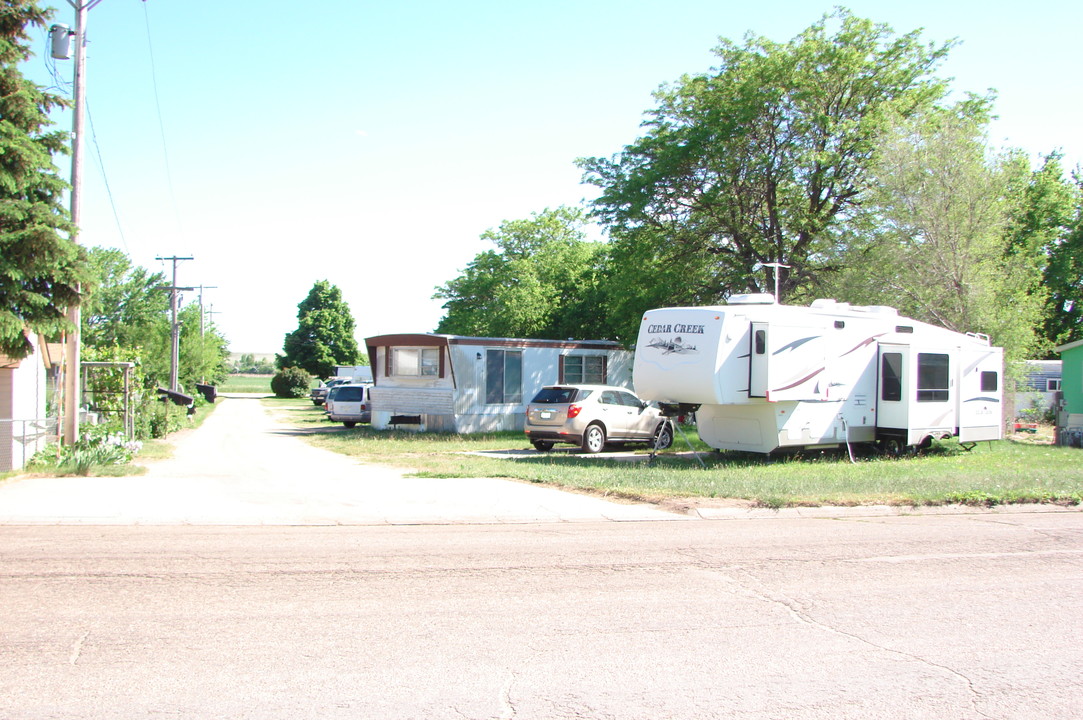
(22, 409)
(461, 398)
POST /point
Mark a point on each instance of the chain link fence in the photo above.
(21, 439)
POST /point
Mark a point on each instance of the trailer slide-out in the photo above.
(767, 376)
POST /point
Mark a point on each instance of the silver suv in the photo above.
(593, 416)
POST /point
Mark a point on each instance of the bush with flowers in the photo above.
(98, 446)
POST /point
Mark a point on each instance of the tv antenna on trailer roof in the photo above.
(776, 266)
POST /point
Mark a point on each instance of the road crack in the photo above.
(794, 609)
(77, 649)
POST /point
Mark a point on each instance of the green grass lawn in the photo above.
(990, 474)
(246, 384)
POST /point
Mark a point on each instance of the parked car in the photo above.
(349, 404)
(319, 394)
(593, 416)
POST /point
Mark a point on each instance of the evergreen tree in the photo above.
(40, 266)
(324, 336)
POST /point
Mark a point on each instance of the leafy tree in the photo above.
(1064, 279)
(40, 266)
(1046, 226)
(203, 351)
(942, 246)
(542, 281)
(127, 312)
(324, 336)
(123, 301)
(759, 161)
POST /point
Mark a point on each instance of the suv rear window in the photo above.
(559, 395)
(350, 394)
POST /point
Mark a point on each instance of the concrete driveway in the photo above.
(243, 468)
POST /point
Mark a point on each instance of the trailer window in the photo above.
(415, 362)
(891, 377)
(503, 377)
(584, 370)
(761, 342)
(989, 381)
(932, 377)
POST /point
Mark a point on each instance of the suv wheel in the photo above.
(593, 439)
(542, 445)
(663, 438)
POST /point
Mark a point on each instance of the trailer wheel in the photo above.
(594, 438)
(542, 445)
(891, 447)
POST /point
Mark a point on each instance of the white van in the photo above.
(350, 404)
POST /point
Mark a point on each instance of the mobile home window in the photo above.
(1052, 385)
(891, 377)
(932, 377)
(415, 362)
(503, 377)
(584, 370)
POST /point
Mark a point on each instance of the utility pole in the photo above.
(174, 359)
(202, 367)
(73, 339)
(201, 289)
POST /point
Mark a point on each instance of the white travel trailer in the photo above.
(767, 376)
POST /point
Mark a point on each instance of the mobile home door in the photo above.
(981, 392)
(893, 375)
(758, 359)
(917, 391)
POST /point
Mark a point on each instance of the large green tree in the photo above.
(1047, 224)
(123, 301)
(541, 281)
(758, 161)
(324, 336)
(939, 241)
(1064, 279)
(40, 266)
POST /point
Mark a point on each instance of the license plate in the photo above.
(546, 414)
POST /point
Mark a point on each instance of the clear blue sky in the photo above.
(371, 143)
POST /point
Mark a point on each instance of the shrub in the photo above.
(96, 447)
(155, 419)
(291, 382)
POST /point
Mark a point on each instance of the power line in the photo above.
(105, 177)
(161, 123)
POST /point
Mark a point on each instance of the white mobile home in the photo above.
(24, 429)
(766, 376)
(454, 383)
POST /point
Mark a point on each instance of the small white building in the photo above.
(454, 383)
(24, 429)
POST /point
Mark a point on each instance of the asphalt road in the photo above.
(856, 614)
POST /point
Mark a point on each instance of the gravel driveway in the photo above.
(242, 468)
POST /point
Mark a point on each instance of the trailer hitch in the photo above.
(676, 410)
